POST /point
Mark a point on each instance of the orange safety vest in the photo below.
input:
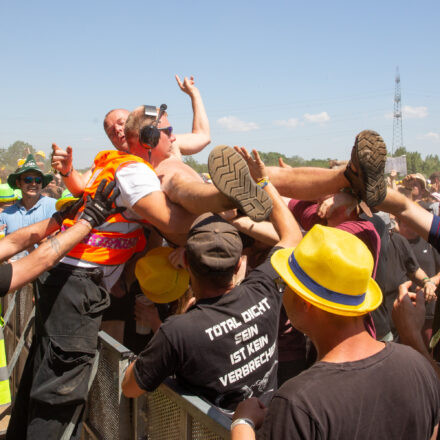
(101, 246)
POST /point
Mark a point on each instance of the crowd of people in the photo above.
(299, 301)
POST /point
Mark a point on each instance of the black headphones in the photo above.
(149, 135)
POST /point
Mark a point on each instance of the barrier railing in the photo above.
(168, 413)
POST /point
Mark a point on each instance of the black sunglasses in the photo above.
(30, 179)
(167, 130)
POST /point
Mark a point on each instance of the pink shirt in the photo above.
(306, 213)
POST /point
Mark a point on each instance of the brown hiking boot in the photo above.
(230, 174)
(365, 170)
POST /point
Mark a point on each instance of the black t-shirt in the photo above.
(393, 394)
(429, 260)
(5, 278)
(400, 260)
(427, 257)
(222, 348)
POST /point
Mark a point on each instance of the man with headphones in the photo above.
(114, 122)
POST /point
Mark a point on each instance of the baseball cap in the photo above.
(213, 245)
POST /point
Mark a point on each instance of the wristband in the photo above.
(263, 182)
(243, 421)
(68, 173)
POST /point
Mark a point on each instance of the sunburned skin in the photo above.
(165, 170)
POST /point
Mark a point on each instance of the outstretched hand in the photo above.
(329, 205)
(282, 164)
(177, 258)
(409, 312)
(100, 207)
(61, 159)
(255, 164)
(251, 409)
(187, 86)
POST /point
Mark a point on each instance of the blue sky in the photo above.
(301, 78)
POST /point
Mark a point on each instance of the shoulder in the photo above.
(173, 165)
(47, 204)
(48, 201)
(180, 321)
(131, 168)
(264, 271)
(407, 355)
(10, 210)
(399, 239)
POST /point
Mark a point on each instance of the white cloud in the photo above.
(432, 135)
(414, 112)
(389, 116)
(289, 123)
(232, 123)
(319, 117)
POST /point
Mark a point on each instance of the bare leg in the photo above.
(414, 215)
(196, 197)
(307, 183)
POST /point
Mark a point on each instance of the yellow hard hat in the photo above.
(159, 280)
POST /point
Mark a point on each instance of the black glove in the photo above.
(69, 210)
(99, 208)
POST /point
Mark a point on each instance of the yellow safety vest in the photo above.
(5, 392)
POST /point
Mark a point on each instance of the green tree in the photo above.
(196, 166)
(18, 150)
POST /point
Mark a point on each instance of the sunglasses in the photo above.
(167, 130)
(30, 179)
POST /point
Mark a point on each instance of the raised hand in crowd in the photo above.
(429, 290)
(200, 136)
(282, 164)
(255, 164)
(61, 159)
(408, 317)
(177, 258)
(187, 86)
(329, 205)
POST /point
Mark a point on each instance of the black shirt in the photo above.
(429, 260)
(393, 394)
(222, 348)
(5, 278)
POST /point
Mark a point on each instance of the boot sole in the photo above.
(230, 175)
(371, 154)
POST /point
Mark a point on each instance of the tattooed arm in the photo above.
(95, 213)
(47, 254)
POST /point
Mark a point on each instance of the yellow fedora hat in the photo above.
(159, 280)
(330, 269)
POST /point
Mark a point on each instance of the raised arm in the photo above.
(46, 255)
(62, 162)
(95, 213)
(281, 217)
(200, 137)
(408, 317)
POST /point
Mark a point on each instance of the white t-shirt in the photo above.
(134, 181)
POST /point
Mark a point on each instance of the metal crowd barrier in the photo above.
(169, 413)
